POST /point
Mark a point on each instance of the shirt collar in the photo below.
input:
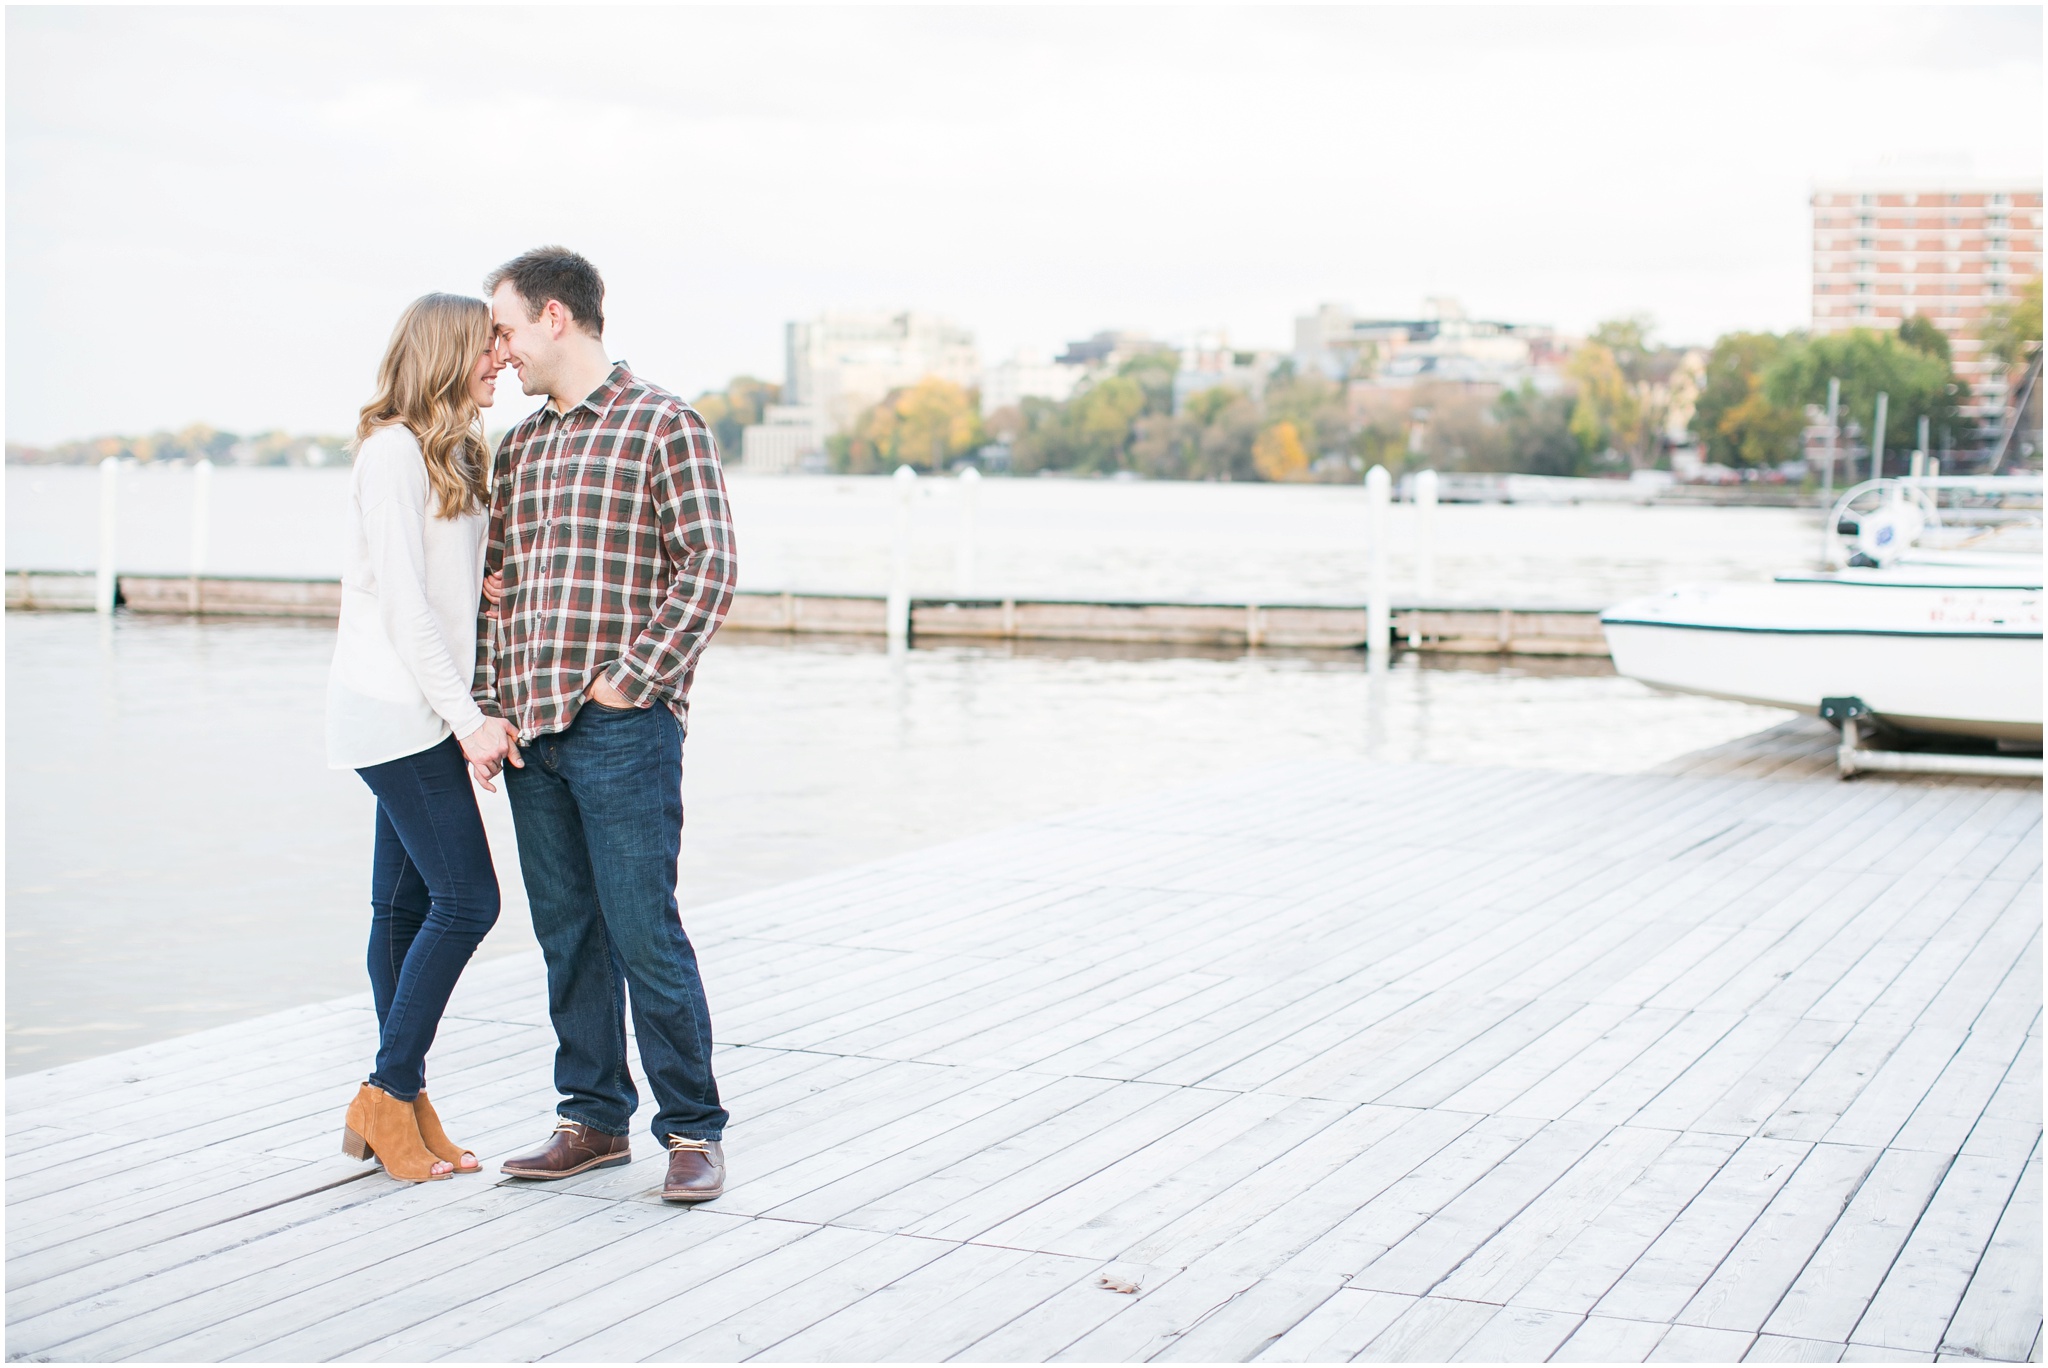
(599, 400)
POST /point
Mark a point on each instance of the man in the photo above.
(610, 527)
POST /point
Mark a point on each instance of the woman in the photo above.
(399, 710)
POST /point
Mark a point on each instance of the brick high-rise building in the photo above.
(1884, 251)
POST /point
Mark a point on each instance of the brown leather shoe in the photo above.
(696, 1170)
(573, 1148)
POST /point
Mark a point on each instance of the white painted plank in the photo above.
(1536, 1236)
(1433, 1330)
(1076, 1310)
(1658, 1285)
(1605, 1339)
(1692, 1344)
(1912, 1307)
(1518, 1334)
(1830, 1293)
(2000, 1315)
(937, 1310)
(1339, 1329)
(1249, 1323)
(1747, 1287)
(1780, 1349)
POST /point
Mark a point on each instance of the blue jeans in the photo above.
(599, 812)
(433, 896)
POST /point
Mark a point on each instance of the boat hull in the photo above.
(1908, 680)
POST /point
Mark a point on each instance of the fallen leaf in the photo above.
(1116, 1284)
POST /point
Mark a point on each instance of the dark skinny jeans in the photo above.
(433, 896)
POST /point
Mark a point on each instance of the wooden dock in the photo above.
(1461, 629)
(1330, 1061)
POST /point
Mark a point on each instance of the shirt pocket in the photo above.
(611, 491)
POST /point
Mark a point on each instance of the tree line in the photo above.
(1619, 404)
(194, 442)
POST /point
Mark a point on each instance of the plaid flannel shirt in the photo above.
(611, 526)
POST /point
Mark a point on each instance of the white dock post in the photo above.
(963, 554)
(1425, 534)
(1877, 439)
(1827, 477)
(899, 572)
(110, 514)
(1379, 488)
(202, 513)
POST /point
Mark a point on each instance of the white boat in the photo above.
(1925, 617)
(1960, 661)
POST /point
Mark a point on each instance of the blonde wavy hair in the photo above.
(423, 384)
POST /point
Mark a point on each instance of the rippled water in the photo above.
(178, 855)
(1031, 538)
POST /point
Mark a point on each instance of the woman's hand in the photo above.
(494, 587)
(489, 748)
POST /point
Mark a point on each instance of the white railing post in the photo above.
(1378, 491)
(963, 557)
(1425, 535)
(202, 513)
(1877, 439)
(110, 518)
(899, 571)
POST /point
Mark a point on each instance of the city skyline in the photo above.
(231, 246)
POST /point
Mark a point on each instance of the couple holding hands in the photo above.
(538, 616)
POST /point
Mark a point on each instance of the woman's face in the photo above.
(483, 377)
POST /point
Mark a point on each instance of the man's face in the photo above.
(525, 344)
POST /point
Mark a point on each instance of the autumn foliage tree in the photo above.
(923, 426)
(1278, 453)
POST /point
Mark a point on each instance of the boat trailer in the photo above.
(1853, 757)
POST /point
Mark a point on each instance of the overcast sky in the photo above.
(217, 214)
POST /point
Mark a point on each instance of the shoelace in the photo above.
(565, 1124)
(677, 1142)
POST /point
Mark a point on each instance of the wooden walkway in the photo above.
(1331, 1061)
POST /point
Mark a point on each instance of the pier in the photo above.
(1329, 1061)
(1455, 628)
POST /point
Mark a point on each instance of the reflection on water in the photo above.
(179, 856)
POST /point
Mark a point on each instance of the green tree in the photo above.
(2012, 331)
(1209, 439)
(1606, 413)
(1624, 390)
(1920, 385)
(1315, 405)
(1919, 333)
(1090, 432)
(1153, 371)
(1536, 432)
(1736, 422)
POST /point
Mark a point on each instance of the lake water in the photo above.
(1048, 538)
(178, 855)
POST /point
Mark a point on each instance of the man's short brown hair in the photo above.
(559, 274)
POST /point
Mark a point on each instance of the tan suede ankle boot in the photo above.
(381, 1125)
(436, 1139)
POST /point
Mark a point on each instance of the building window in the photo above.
(1997, 287)
(2001, 199)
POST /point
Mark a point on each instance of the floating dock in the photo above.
(1330, 1061)
(1457, 628)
